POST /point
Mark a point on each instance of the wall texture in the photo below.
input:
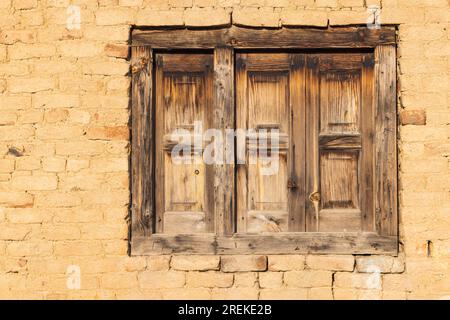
(64, 181)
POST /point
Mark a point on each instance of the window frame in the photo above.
(224, 42)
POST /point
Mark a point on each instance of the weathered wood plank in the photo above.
(386, 143)
(297, 154)
(142, 142)
(224, 120)
(312, 141)
(242, 38)
(274, 243)
(368, 138)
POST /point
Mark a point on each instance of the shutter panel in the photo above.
(340, 143)
(269, 97)
(184, 202)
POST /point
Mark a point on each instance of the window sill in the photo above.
(280, 243)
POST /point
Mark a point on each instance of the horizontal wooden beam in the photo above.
(250, 38)
(280, 243)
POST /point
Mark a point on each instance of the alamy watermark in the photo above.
(213, 146)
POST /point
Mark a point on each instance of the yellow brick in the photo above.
(200, 263)
(19, 85)
(320, 294)
(372, 264)
(206, 17)
(337, 18)
(104, 231)
(81, 148)
(57, 200)
(34, 183)
(79, 116)
(77, 164)
(32, 18)
(110, 17)
(115, 247)
(270, 279)
(109, 165)
(55, 101)
(30, 116)
(357, 280)
(180, 3)
(108, 133)
(77, 248)
(263, 17)
(54, 164)
(245, 279)
(124, 280)
(161, 279)
(15, 102)
(116, 50)
(283, 294)
(28, 215)
(186, 294)
(60, 232)
(14, 232)
(307, 279)
(209, 279)
(79, 49)
(327, 3)
(130, 3)
(54, 132)
(24, 4)
(151, 17)
(16, 199)
(5, 4)
(28, 163)
(351, 3)
(304, 18)
(330, 262)
(29, 248)
(396, 282)
(2, 53)
(234, 293)
(108, 33)
(243, 263)
(285, 263)
(13, 36)
(6, 165)
(158, 263)
(106, 68)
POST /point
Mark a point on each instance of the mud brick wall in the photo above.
(64, 148)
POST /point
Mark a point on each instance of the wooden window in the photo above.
(331, 97)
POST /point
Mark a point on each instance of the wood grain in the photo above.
(183, 189)
(224, 117)
(141, 142)
(248, 38)
(386, 143)
(275, 243)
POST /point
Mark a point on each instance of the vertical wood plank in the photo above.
(297, 144)
(241, 123)
(159, 156)
(368, 137)
(142, 142)
(386, 132)
(224, 118)
(312, 139)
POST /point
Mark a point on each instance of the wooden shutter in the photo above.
(340, 142)
(184, 95)
(269, 95)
